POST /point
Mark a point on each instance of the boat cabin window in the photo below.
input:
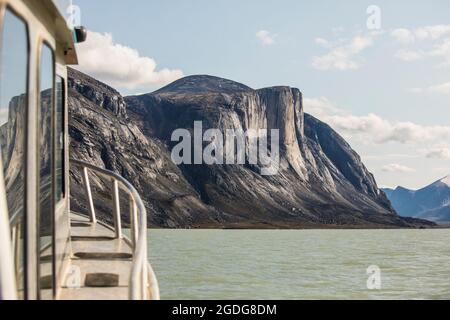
(13, 111)
(45, 165)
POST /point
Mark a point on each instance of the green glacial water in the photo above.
(300, 264)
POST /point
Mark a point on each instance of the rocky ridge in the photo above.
(321, 182)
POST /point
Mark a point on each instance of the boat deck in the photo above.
(100, 265)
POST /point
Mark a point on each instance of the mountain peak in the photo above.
(446, 180)
(400, 188)
(430, 202)
(204, 84)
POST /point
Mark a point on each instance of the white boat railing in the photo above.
(143, 284)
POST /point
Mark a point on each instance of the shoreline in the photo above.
(308, 228)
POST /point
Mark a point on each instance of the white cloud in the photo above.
(442, 51)
(439, 153)
(265, 37)
(343, 55)
(322, 42)
(408, 36)
(119, 65)
(403, 36)
(395, 167)
(432, 32)
(320, 107)
(378, 130)
(409, 55)
(391, 156)
(443, 88)
(372, 128)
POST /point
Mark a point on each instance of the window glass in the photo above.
(59, 144)
(13, 107)
(45, 138)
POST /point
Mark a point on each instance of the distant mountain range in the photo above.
(431, 202)
(321, 181)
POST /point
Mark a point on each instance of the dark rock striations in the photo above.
(321, 180)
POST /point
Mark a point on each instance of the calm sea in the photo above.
(300, 264)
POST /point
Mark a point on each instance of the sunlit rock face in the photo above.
(321, 180)
(12, 142)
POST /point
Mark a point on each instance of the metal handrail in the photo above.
(143, 284)
(15, 218)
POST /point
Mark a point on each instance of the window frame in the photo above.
(61, 202)
(42, 43)
(4, 8)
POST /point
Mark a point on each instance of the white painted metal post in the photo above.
(88, 192)
(153, 288)
(145, 280)
(8, 285)
(16, 246)
(116, 208)
(133, 221)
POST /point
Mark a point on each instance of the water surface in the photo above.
(300, 264)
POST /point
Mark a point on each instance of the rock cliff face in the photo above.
(321, 180)
(12, 138)
(102, 134)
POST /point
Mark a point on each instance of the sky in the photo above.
(379, 75)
